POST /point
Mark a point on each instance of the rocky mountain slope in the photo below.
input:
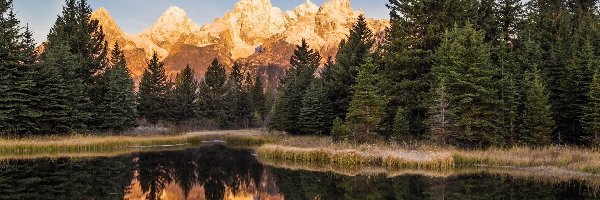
(254, 33)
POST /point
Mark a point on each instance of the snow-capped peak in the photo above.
(169, 27)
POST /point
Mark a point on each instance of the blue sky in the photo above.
(135, 15)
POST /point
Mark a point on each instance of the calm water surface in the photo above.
(219, 172)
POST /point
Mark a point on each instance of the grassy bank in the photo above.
(92, 145)
(316, 151)
(320, 150)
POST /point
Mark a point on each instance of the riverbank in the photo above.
(320, 150)
(312, 150)
(108, 145)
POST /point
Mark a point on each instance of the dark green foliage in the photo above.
(17, 112)
(463, 60)
(401, 125)
(62, 98)
(154, 92)
(510, 13)
(239, 108)
(116, 108)
(258, 97)
(340, 77)
(185, 95)
(212, 102)
(441, 127)
(316, 114)
(537, 125)
(293, 89)
(508, 91)
(574, 87)
(591, 112)
(416, 31)
(367, 108)
(487, 20)
(339, 131)
(84, 38)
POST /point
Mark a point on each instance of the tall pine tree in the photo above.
(591, 112)
(185, 95)
(538, 124)
(463, 60)
(367, 108)
(293, 89)
(116, 107)
(17, 56)
(316, 114)
(340, 77)
(154, 91)
(212, 102)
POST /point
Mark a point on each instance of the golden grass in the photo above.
(322, 150)
(567, 158)
(67, 146)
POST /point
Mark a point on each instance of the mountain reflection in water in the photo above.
(219, 172)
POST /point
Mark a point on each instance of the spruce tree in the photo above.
(463, 61)
(441, 127)
(154, 91)
(367, 108)
(417, 28)
(185, 95)
(574, 87)
(487, 20)
(591, 112)
(258, 98)
(116, 107)
(293, 88)
(239, 110)
(538, 124)
(401, 127)
(341, 76)
(85, 39)
(339, 131)
(316, 115)
(17, 56)
(212, 102)
(510, 13)
(62, 98)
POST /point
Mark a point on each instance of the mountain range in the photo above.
(254, 33)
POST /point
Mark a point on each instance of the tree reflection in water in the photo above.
(218, 172)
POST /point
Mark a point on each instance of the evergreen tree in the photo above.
(116, 109)
(316, 112)
(401, 125)
(574, 87)
(591, 112)
(258, 98)
(417, 28)
(549, 25)
(212, 102)
(154, 91)
(85, 39)
(367, 108)
(293, 89)
(463, 60)
(62, 98)
(341, 76)
(185, 95)
(239, 108)
(339, 131)
(487, 20)
(441, 127)
(508, 91)
(17, 56)
(538, 124)
(509, 15)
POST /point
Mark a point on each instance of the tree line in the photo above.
(471, 73)
(74, 84)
